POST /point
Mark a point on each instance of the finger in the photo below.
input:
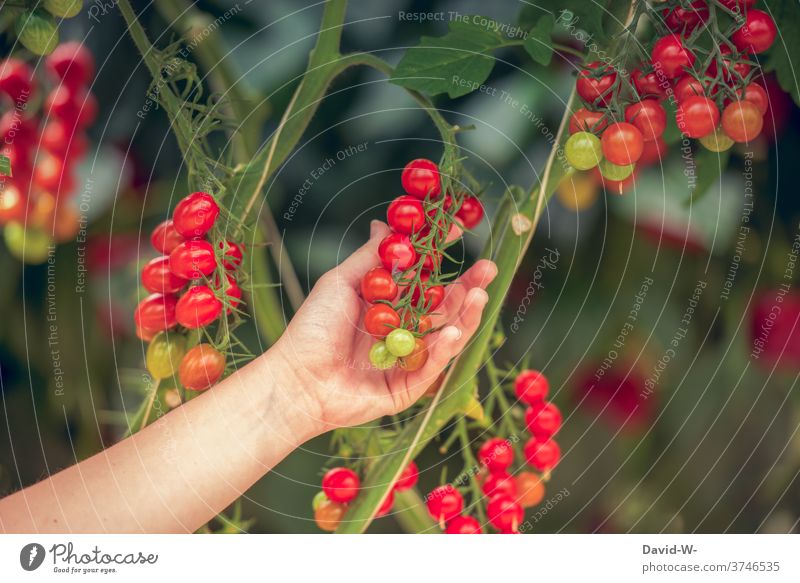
(352, 269)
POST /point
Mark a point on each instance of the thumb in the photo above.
(352, 269)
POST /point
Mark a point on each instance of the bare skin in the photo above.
(179, 472)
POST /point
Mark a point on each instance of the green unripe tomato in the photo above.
(37, 31)
(583, 150)
(63, 8)
(614, 171)
(380, 356)
(30, 246)
(717, 141)
(319, 499)
(400, 342)
(164, 354)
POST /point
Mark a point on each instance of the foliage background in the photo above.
(715, 448)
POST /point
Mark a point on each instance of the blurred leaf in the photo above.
(578, 14)
(5, 166)
(456, 63)
(783, 55)
(708, 167)
(538, 42)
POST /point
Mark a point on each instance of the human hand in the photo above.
(326, 347)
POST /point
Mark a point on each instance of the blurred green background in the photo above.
(701, 438)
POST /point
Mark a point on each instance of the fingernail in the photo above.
(373, 227)
(454, 332)
(492, 270)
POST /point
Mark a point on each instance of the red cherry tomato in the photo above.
(233, 291)
(341, 484)
(75, 107)
(195, 214)
(543, 420)
(13, 204)
(531, 386)
(158, 278)
(397, 252)
(201, 367)
(585, 120)
(444, 503)
(54, 175)
(470, 213)
(19, 131)
(543, 455)
(198, 307)
(72, 64)
(165, 238)
(622, 143)
(386, 505)
(232, 253)
(420, 178)
(61, 141)
(654, 151)
(433, 294)
(671, 56)
(156, 312)
(378, 284)
(595, 83)
(192, 259)
(649, 117)
(381, 319)
(496, 454)
(688, 86)
(16, 80)
(742, 121)
(406, 215)
(499, 483)
(686, 18)
(757, 33)
(648, 84)
(408, 478)
(697, 116)
(757, 95)
(504, 513)
(734, 69)
(463, 525)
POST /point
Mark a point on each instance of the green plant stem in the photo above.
(411, 513)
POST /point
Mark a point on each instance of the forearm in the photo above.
(182, 470)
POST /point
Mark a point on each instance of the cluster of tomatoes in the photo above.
(706, 77)
(507, 495)
(187, 289)
(406, 288)
(44, 148)
(341, 485)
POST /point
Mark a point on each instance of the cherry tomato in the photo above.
(611, 171)
(380, 357)
(165, 238)
(17, 130)
(444, 503)
(653, 152)
(463, 525)
(232, 291)
(232, 253)
(697, 116)
(595, 83)
(688, 86)
(192, 259)
(543, 420)
(578, 191)
(420, 178)
(195, 214)
(198, 307)
(648, 84)
(378, 284)
(542, 454)
(757, 95)
(408, 478)
(341, 484)
(585, 120)
(622, 143)
(418, 357)
(201, 367)
(158, 278)
(671, 56)
(686, 18)
(757, 34)
(470, 214)
(72, 64)
(54, 175)
(386, 505)
(531, 386)
(164, 354)
(328, 515)
(583, 150)
(530, 488)
(406, 215)
(499, 483)
(420, 324)
(649, 117)
(504, 513)
(30, 245)
(496, 454)
(12, 204)
(717, 141)
(381, 319)
(397, 252)
(75, 107)
(156, 312)
(742, 121)
(400, 342)
(733, 69)
(16, 80)
(61, 141)
(432, 261)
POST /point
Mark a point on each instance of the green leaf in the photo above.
(708, 167)
(782, 57)
(5, 166)
(538, 42)
(456, 63)
(573, 15)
